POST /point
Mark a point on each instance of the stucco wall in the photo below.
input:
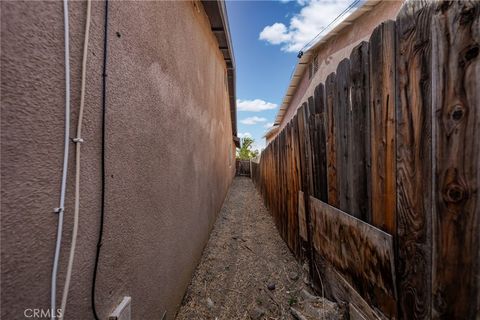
(335, 50)
(167, 158)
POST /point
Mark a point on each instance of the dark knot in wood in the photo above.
(454, 193)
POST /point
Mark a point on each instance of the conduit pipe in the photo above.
(78, 141)
(61, 209)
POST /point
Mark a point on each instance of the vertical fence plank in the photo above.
(360, 132)
(320, 123)
(456, 132)
(305, 165)
(414, 169)
(330, 85)
(311, 106)
(288, 210)
(342, 115)
(382, 119)
(297, 168)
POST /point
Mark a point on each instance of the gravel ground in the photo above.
(247, 271)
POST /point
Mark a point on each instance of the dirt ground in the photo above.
(247, 271)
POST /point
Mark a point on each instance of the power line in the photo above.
(300, 53)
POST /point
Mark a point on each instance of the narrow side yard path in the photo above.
(247, 271)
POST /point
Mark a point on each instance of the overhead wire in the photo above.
(78, 141)
(301, 51)
(354, 3)
(63, 189)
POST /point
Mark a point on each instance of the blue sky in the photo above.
(267, 36)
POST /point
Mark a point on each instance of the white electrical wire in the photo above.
(63, 189)
(78, 141)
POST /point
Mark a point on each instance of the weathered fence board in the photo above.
(242, 167)
(302, 221)
(342, 117)
(456, 132)
(306, 172)
(361, 253)
(360, 133)
(382, 120)
(330, 89)
(376, 178)
(340, 290)
(319, 145)
(414, 158)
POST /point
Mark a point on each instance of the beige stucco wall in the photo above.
(335, 50)
(169, 139)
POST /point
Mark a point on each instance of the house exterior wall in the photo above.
(335, 50)
(168, 153)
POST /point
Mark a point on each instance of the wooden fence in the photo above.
(375, 180)
(242, 168)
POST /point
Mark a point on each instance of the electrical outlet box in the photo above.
(123, 311)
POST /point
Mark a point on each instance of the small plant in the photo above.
(292, 301)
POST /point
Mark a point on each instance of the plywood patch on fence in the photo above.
(338, 289)
(361, 253)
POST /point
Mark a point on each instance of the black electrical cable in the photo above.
(102, 169)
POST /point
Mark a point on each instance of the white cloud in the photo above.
(253, 120)
(256, 105)
(268, 125)
(304, 26)
(300, 2)
(277, 33)
(244, 135)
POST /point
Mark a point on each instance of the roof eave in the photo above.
(217, 15)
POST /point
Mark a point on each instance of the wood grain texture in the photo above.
(342, 119)
(302, 221)
(318, 143)
(311, 106)
(296, 178)
(414, 159)
(456, 143)
(338, 289)
(306, 173)
(330, 101)
(382, 119)
(361, 253)
(359, 146)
